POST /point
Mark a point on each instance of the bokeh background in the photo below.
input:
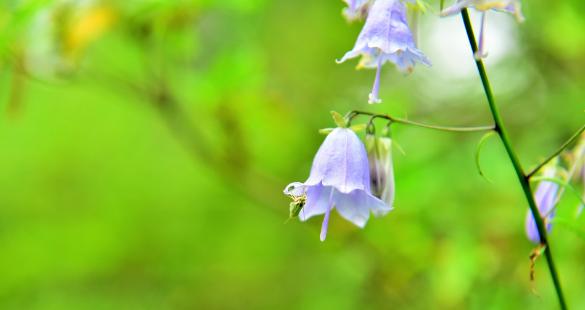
(144, 146)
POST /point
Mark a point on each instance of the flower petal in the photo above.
(352, 207)
(317, 201)
(341, 162)
(294, 189)
(356, 206)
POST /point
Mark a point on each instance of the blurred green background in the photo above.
(144, 146)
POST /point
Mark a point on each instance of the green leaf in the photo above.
(339, 119)
(358, 127)
(482, 141)
(325, 131)
(398, 147)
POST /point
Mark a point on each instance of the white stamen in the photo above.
(481, 53)
(373, 97)
(325, 224)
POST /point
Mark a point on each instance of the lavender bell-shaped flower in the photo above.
(509, 6)
(379, 151)
(386, 37)
(546, 197)
(340, 179)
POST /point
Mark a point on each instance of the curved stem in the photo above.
(353, 114)
(557, 152)
(444, 128)
(522, 178)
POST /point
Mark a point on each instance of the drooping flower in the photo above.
(386, 37)
(340, 179)
(509, 6)
(379, 151)
(356, 9)
(546, 198)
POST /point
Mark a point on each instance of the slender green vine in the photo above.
(523, 178)
(556, 153)
(393, 119)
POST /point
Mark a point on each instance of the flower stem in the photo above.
(557, 152)
(522, 177)
(353, 114)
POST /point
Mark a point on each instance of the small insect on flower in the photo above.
(297, 205)
(299, 200)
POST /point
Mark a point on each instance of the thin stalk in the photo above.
(557, 152)
(393, 119)
(522, 177)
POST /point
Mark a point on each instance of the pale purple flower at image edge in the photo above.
(546, 197)
(386, 37)
(339, 179)
(509, 6)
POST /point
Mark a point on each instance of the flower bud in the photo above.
(381, 170)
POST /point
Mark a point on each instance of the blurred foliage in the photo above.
(145, 145)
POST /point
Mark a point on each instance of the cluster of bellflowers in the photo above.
(558, 175)
(357, 179)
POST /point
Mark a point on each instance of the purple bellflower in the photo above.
(546, 198)
(381, 170)
(386, 37)
(509, 6)
(340, 179)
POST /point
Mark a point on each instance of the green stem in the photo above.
(522, 177)
(557, 152)
(393, 119)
